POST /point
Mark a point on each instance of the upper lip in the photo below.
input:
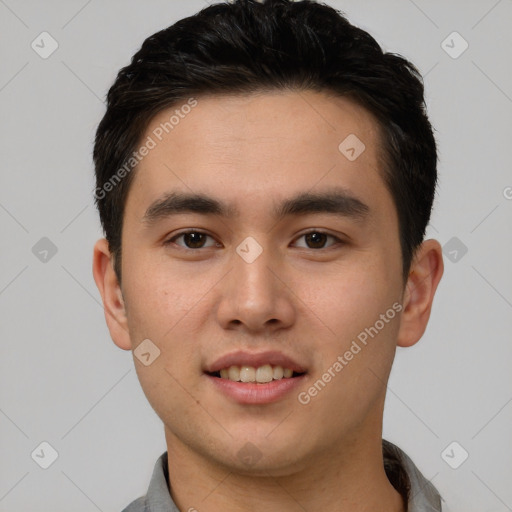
(242, 358)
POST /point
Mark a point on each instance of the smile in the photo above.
(255, 378)
(261, 374)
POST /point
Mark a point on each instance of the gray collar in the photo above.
(423, 496)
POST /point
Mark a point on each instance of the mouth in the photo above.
(260, 375)
(249, 378)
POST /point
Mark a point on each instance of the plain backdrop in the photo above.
(65, 383)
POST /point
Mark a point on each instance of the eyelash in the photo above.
(175, 237)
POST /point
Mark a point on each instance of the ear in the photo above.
(111, 294)
(426, 272)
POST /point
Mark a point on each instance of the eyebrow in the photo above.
(338, 201)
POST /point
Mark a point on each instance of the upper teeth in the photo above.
(262, 374)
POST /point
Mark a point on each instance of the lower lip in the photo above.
(253, 393)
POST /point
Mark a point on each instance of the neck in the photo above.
(351, 479)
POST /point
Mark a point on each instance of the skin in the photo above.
(253, 151)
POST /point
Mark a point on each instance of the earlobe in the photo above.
(426, 272)
(111, 294)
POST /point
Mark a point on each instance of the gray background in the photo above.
(63, 381)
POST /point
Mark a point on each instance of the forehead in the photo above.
(252, 149)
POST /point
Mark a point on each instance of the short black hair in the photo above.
(245, 47)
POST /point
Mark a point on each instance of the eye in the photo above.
(316, 239)
(192, 239)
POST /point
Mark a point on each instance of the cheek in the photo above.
(161, 309)
(351, 298)
(350, 304)
(357, 350)
(157, 298)
(165, 306)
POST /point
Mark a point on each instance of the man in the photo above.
(265, 175)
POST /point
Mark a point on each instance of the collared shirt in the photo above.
(422, 495)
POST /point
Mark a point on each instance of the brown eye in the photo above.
(194, 240)
(317, 239)
(191, 240)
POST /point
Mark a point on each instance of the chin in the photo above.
(264, 455)
(259, 463)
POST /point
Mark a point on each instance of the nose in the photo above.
(255, 295)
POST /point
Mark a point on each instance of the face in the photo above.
(263, 276)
